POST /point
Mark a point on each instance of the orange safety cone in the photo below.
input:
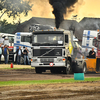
(11, 66)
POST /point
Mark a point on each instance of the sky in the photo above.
(42, 8)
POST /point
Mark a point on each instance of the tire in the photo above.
(77, 68)
(38, 70)
(67, 69)
(84, 68)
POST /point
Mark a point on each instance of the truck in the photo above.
(8, 39)
(93, 64)
(87, 40)
(22, 39)
(56, 51)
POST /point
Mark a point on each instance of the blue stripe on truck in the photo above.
(17, 41)
(17, 44)
(18, 34)
(88, 37)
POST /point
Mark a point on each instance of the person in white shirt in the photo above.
(86, 53)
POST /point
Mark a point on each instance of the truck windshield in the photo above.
(48, 39)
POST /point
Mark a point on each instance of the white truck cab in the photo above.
(87, 40)
(22, 39)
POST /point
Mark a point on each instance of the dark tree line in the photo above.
(6, 27)
(14, 7)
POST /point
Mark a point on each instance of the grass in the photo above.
(29, 82)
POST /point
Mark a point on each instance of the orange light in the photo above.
(31, 60)
(54, 27)
(94, 37)
(63, 59)
(98, 30)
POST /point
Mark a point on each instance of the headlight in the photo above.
(59, 59)
(34, 60)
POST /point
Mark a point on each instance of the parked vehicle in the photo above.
(22, 39)
(8, 39)
(87, 40)
(93, 64)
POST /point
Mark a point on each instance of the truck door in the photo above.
(66, 45)
(26, 42)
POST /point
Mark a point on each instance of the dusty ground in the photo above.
(66, 91)
(79, 91)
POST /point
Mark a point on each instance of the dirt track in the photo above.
(79, 91)
(29, 74)
(66, 91)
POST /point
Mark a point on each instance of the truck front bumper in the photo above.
(48, 62)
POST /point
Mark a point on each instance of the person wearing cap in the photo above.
(0, 53)
(6, 53)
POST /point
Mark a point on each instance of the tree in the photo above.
(14, 7)
(6, 27)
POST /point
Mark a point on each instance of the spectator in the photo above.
(86, 53)
(79, 53)
(19, 54)
(0, 53)
(92, 54)
(25, 52)
(6, 53)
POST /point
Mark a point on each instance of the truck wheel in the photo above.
(84, 68)
(67, 69)
(38, 70)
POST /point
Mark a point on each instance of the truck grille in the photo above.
(46, 61)
(45, 52)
